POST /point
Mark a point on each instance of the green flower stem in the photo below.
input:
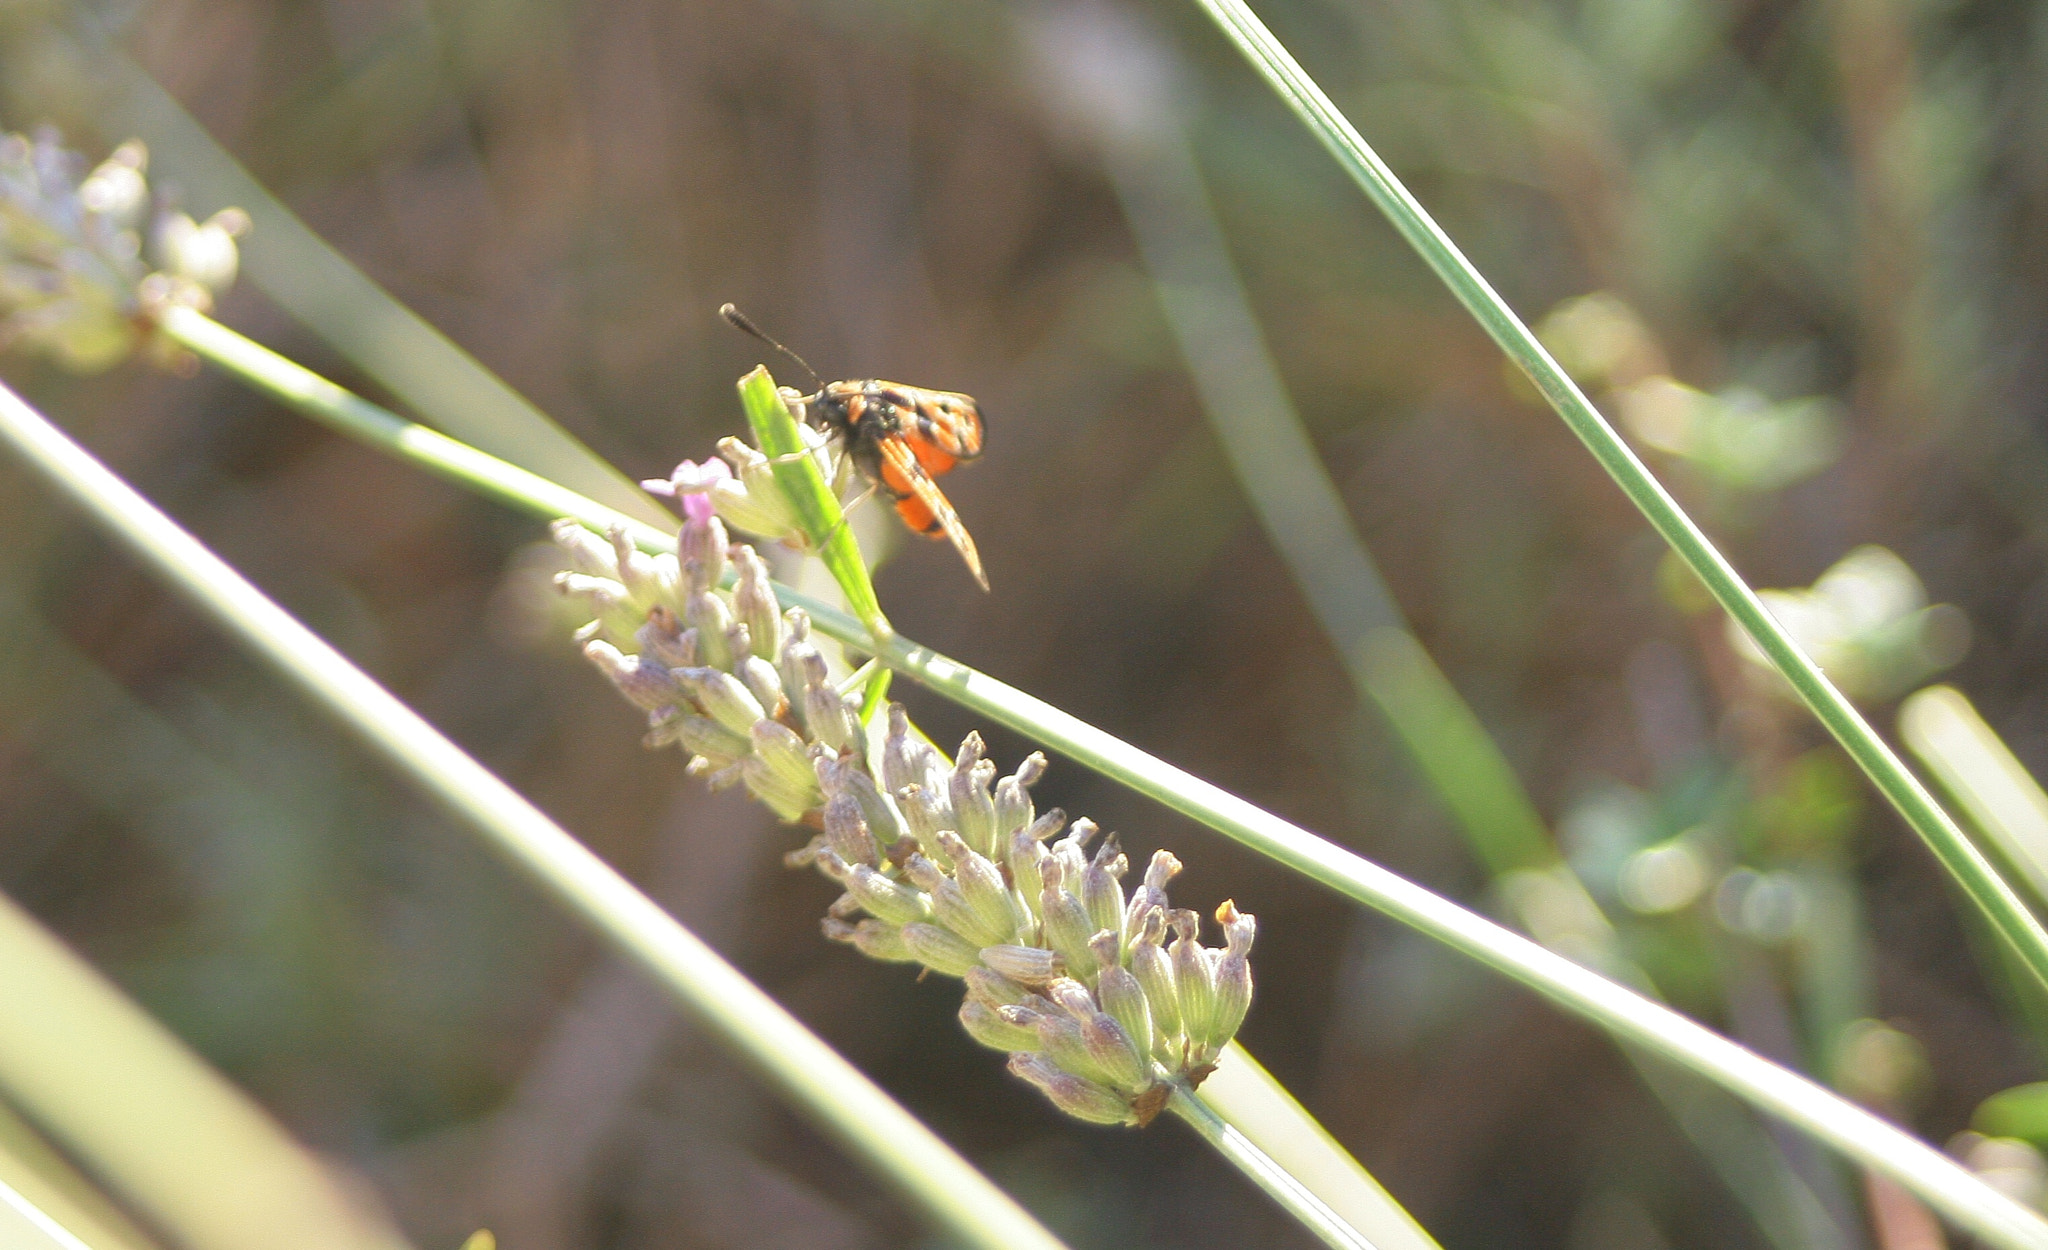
(1936, 1179)
(2000, 905)
(1258, 1107)
(775, 429)
(882, 1135)
(1268, 1175)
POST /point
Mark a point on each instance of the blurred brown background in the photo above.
(1832, 199)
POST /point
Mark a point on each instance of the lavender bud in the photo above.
(1063, 1042)
(991, 988)
(881, 818)
(1072, 850)
(588, 554)
(974, 812)
(753, 601)
(1013, 797)
(886, 898)
(788, 802)
(1084, 1100)
(1100, 892)
(760, 679)
(645, 577)
(723, 697)
(1233, 974)
(984, 1025)
(1066, 922)
(831, 720)
(1115, 1053)
(982, 886)
(1026, 857)
(908, 760)
(1150, 894)
(927, 818)
(1121, 995)
(708, 615)
(794, 661)
(1026, 965)
(645, 683)
(846, 833)
(664, 638)
(940, 949)
(705, 737)
(1194, 975)
(705, 542)
(873, 938)
(607, 601)
(1154, 970)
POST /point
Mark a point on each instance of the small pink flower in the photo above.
(690, 485)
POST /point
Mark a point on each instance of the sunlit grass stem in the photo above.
(1936, 1179)
(891, 1142)
(1971, 870)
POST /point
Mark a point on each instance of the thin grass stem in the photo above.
(891, 1142)
(1936, 1179)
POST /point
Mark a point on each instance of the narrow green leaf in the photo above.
(775, 429)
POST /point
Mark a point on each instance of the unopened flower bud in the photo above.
(940, 949)
(606, 600)
(664, 639)
(985, 1025)
(761, 680)
(588, 554)
(874, 938)
(1072, 850)
(847, 833)
(927, 816)
(974, 812)
(887, 898)
(881, 817)
(831, 720)
(1120, 994)
(982, 885)
(647, 684)
(1194, 975)
(1025, 965)
(908, 760)
(1153, 968)
(1101, 892)
(1061, 1038)
(788, 801)
(705, 542)
(753, 602)
(1116, 1053)
(706, 613)
(1150, 893)
(1027, 856)
(1013, 798)
(1233, 975)
(1084, 1100)
(993, 988)
(723, 697)
(702, 736)
(1066, 924)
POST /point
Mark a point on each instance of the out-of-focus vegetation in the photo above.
(1792, 248)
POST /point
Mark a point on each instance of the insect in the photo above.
(900, 438)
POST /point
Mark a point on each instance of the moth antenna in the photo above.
(740, 321)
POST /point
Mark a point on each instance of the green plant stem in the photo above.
(1989, 891)
(1859, 1135)
(796, 471)
(889, 1140)
(1268, 1175)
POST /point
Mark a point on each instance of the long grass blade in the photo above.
(1990, 892)
(891, 1142)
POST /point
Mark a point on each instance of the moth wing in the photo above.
(920, 499)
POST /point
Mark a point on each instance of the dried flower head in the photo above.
(942, 862)
(87, 256)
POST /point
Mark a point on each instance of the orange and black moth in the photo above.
(901, 438)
